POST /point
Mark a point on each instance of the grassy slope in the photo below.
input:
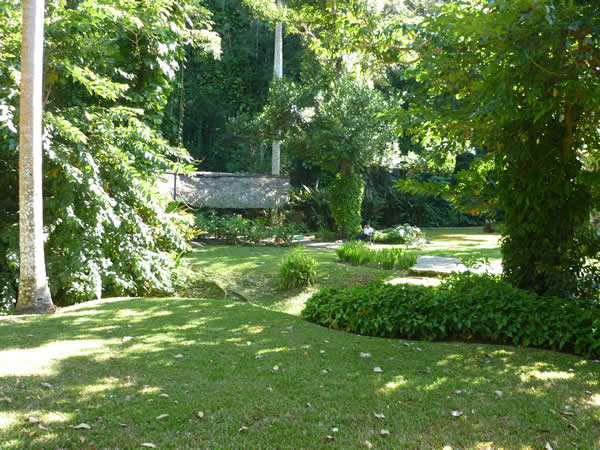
(109, 362)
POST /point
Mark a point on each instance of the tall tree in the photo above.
(278, 75)
(34, 294)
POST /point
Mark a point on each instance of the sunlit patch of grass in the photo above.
(289, 387)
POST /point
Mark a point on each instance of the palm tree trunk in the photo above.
(277, 74)
(34, 294)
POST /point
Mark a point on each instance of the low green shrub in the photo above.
(400, 234)
(465, 307)
(298, 269)
(359, 253)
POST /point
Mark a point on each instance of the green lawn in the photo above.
(466, 243)
(219, 373)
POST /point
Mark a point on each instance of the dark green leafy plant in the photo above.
(465, 307)
(298, 269)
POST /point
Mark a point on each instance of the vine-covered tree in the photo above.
(521, 79)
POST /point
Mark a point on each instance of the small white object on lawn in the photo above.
(178, 356)
(379, 416)
(46, 385)
(499, 393)
(384, 433)
(275, 368)
(365, 355)
(457, 413)
(378, 370)
(148, 445)
(200, 414)
(81, 426)
(162, 416)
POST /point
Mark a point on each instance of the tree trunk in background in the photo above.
(34, 294)
(277, 74)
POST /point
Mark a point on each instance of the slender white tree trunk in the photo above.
(277, 74)
(34, 295)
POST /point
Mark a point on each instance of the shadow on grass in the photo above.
(268, 379)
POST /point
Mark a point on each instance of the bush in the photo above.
(235, 228)
(465, 307)
(359, 253)
(298, 269)
(400, 234)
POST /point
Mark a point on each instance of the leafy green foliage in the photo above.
(533, 106)
(298, 269)
(109, 71)
(359, 253)
(345, 198)
(465, 307)
(235, 228)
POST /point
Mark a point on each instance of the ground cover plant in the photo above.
(359, 253)
(466, 306)
(200, 372)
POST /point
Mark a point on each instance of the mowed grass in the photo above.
(207, 372)
(190, 372)
(465, 243)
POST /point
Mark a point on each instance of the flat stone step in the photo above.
(439, 265)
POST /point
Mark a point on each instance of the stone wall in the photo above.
(227, 190)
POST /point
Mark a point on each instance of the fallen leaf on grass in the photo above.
(457, 413)
(330, 438)
(368, 444)
(460, 391)
(33, 419)
(127, 338)
(378, 370)
(275, 368)
(81, 426)
(548, 446)
(148, 445)
(570, 425)
(499, 393)
(384, 433)
(164, 395)
(4, 398)
(178, 356)
(42, 427)
(567, 413)
(365, 355)
(46, 385)
(123, 425)
(162, 416)
(243, 428)
(379, 416)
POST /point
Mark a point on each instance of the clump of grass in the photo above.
(359, 253)
(298, 269)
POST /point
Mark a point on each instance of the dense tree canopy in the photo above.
(109, 69)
